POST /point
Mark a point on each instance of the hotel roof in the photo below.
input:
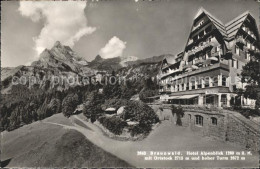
(229, 29)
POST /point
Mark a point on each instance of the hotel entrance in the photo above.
(210, 100)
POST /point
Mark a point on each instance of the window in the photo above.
(208, 29)
(214, 120)
(200, 83)
(234, 88)
(234, 63)
(187, 86)
(218, 48)
(201, 34)
(224, 99)
(247, 56)
(193, 85)
(206, 81)
(198, 120)
(237, 51)
(208, 54)
(215, 81)
(248, 45)
(224, 79)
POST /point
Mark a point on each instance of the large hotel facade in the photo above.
(207, 71)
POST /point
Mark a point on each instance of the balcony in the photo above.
(199, 61)
(170, 72)
(206, 45)
(201, 69)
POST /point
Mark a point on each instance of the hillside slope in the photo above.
(43, 145)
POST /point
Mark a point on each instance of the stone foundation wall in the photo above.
(231, 126)
(207, 128)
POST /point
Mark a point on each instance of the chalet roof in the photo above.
(217, 23)
(229, 29)
(235, 24)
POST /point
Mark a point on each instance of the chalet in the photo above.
(207, 71)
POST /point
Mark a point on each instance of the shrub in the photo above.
(139, 111)
(92, 108)
(135, 130)
(69, 104)
(113, 124)
(142, 113)
(135, 111)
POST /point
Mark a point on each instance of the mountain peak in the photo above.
(98, 58)
(57, 44)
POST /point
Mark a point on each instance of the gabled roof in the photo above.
(216, 22)
(235, 24)
(229, 29)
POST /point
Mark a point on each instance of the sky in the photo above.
(110, 28)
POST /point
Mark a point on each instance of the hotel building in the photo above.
(207, 71)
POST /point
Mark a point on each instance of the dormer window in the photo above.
(201, 23)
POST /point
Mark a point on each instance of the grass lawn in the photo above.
(44, 145)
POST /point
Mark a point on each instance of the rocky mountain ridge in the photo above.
(62, 61)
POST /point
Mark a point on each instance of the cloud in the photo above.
(113, 48)
(64, 21)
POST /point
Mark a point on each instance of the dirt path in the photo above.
(166, 137)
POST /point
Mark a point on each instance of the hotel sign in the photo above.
(211, 92)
